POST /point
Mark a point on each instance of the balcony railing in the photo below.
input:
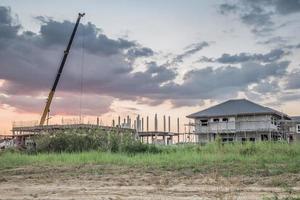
(235, 126)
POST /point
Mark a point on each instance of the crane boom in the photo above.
(60, 69)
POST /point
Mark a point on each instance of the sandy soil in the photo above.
(111, 182)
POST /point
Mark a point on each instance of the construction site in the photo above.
(23, 131)
(134, 116)
(234, 120)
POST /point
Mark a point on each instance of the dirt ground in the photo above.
(111, 182)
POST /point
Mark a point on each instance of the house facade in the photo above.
(243, 120)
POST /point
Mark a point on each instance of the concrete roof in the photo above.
(235, 107)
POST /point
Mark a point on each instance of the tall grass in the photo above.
(77, 140)
(263, 158)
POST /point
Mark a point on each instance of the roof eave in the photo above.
(240, 114)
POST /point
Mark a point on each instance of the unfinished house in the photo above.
(291, 128)
(240, 120)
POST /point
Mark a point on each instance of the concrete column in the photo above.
(119, 121)
(169, 123)
(138, 123)
(127, 123)
(164, 123)
(178, 125)
(155, 123)
(147, 123)
(142, 128)
(134, 125)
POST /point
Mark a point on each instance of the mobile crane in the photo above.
(60, 69)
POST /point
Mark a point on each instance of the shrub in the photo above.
(79, 140)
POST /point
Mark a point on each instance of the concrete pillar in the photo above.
(119, 121)
(97, 121)
(142, 128)
(178, 125)
(164, 123)
(113, 123)
(155, 123)
(147, 123)
(169, 124)
(128, 122)
(138, 123)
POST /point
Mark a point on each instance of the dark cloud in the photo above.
(139, 52)
(190, 50)
(226, 8)
(8, 28)
(259, 13)
(252, 13)
(257, 17)
(223, 82)
(285, 7)
(57, 33)
(273, 55)
(30, 60)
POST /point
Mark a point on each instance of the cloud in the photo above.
(190, 50)
(226, 81)
(205, 59)
(29, 64)
(272, 56)
(274, 40)
(288, 96)
(66, 104)
(286, 7)
(293, 80)
(259, 14)
(139, 52)
(57, 33)
(267, 86)
(226, 8)
(181, 102)
(8, 29)
(251, 13)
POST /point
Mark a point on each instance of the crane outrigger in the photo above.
(60, 69)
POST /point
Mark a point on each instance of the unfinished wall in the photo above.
(232, 124)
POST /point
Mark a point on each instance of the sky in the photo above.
(130, 57)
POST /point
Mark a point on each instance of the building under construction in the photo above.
(243, 120)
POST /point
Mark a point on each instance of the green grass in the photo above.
(231, 159)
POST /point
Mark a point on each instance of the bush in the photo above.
(78, 141)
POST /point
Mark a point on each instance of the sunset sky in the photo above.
(129, 57)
